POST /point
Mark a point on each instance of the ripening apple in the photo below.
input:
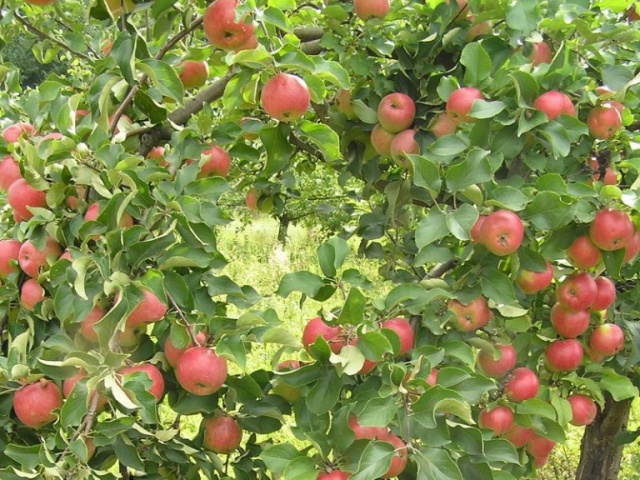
(251, 199)
(218, 162)
(93, 212)
(14, 132)
(540, 53)
(554, 103)
(478, 27)
(442, 125)
(334, 475)
(343, 103)
(532, 282)
(569, 323)
(87, 329)
(366, 9)
(476, 230)
(200, 371)
(70, 383)
(633, 247)
(606, 294)
(564, 355)
(193, 74)
(222, 434)
(399, 459)
(607, 339)
(174, 353)
(149, 310)
(34, 403)
(316, 327)
(502, 232)
(367, 433)
(154, 374)
(432, 378)
(31, 293)
(461, 101)
(404, 330)
(604, 121)
(21, 196)
(404, 144)
(396, 112)
(280, 386)
(611, 229)
(497, 367)
(522, 385)
(540, 447)
(583, 254)
(381, 140)
(583, 409)
(157, 155)
(519, 436)
(472, 316)
(221, 27)
(32, 260)
(285, 97)
(9, 172)
(577, 291)
(9, 254)
(499, 419)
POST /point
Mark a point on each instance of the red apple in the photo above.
(31, 293)
(497, 367)
(502, 232)
(396, 112)
(476, 230)
(583, 409)
(149, 310)
(460, 102)
(93, 212)
(500, 419)
(404, 330)
(604, 121)
(174, 353)
(519, 436)
(9, 172)
(564, 355)
(540, 462)
(607, 339)
(633, 247)
(606, 294)
(155, 375)
(14, 132)
(432, 379)
(399, 460)
(285, 97)
(193, 74)
(611, 229)
(334, 475)
(21, 196)
(532, 282)
(540, 447)
(404, 144)
(443, 125)
(200, 371)
(541, 53)
(554, 103)
(569, 323)
(221, 27)
(250, 44)
(317, 328)
(87, 324)
(33, 260)
(366, 9)
(222, 434)
(157, 154)
(367, 433)
(9, 254)
(34, 403)
(577, 291)
(381, 140)
(522, 385)
(583, 254)
(218, 162)
(251, 199)
(476, 314)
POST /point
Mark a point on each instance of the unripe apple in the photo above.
(149, 310)
(460, 102)
(9, 172)
(611, 229)
(607, 339)
(366, 9)
(193, 74)
(381, 140)
(200, 371)
(502, 232)
(583, 254)
(9, 254)
(606, 294)
(33, 260)
(34, 403)
(404, 144)
(218, 162)
(532, 282)
(87, 329)
(442, 125)
(569, 323)
(155, 375)
(221, 27)
(497, 367)
(476, 314)
(174, 353)
(396, 112)
(540, 53)
(577, 291)
(604, 121)
(500, 419)
(31, 294)
(317, 328)
(554, 103)
(404, 330)
(522, 385)
(285, 97)
(583, 409)
(21, 196)
(564, 355)
(222, 434)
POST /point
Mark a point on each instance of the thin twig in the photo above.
(33, 29)
(187, 325)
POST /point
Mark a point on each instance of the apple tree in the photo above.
(484, 153)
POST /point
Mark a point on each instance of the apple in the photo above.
(285, 97)
(34, 403)
(569, 323)
(21, 196)
(404, 144)
(532, 282)
(522, 385)
(404, 330)
(460, 102)
(105, 48)
(87, 324)
(149, 310)
(633, 247)
(432, 379)
(69, 383)
(221, 27)
(155, 375)
(497, 368)
(583, 254)
(280, 387)
(200, 371)
(251, 200)
(218, 162)
(472, 316)
(540, 53)
(222, 434)
(93, 212)
(33, 260)
(9, 254)
(476, 230)
(77, 192)
(632, 12)
(478, 28)
(554, 103)
(399, 460)
(604, 121)
(317, 328)
(193, 74)
(157, 154)
(540, 462)
(583, 409)
(540, 447)
(250, 44)
(577, 291)
(519, 436)
(564, 355)
(130, 337)
(500, 419)
(442, 125)
(9, 172)
(366, 9)
(334, 475)
(607, 339)
(343, 103)
(14, 132)
(367, 433)
(606, 294)
(396, 112)
(611, 229)
(31, 293)
(614, 104)
(381, 140)
(174, 353)
(502, 232)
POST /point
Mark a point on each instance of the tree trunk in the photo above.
(599, 456)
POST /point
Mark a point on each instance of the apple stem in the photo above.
(185, 322)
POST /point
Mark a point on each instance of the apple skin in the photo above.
(9, 253)
(12, 133)
(569, 323)
(500, 367)
(432, 379)
(396, 112)
(86, 325)
(399, 460)
(607, 339)
(218, 162)
(604, 121)
(149, 310)
(522, 385)
(611, 229)
(500, 419)
(531, 282)
(157, 385)
(285, 97)
(317, 328)
(476, 230)
(583, 410)
(33, 260)
(606, 295)
(193, 74)
(519, 436)
(476, 314)
(366, 9)
(222, 29)
(173, 353)
(200, 371)
(343, 103)
(583, 253)
(564, 355)
(334, 475)
(31, 294)
(367, 433)
(222, 434)
(540, 447)
(633, 248)
(502, 232)
(460, 102)
(93, 212)
(69, 383)
(34, 403)
(541, 53)
(443, 125)
(554, 103)
(577, 291)
(251, 199)
(403, 144)
(381, 140)
(404, 330)
(9, 172)
(157, 155)
(21, 195)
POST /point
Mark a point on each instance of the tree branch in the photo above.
(186, 323)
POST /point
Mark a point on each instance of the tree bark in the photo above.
(600, 457)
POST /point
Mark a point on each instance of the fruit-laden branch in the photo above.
(186, 323)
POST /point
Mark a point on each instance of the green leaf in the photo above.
(501, 450)
(431, 228)
(484, 109)
(523, 16)
(164, 78)
(447, 146)
(550, 211)
(426, 174)
(508, 197)
(325, 393)
(277, 457)
(374, 345)
(557, 137)
(26, 456)
(374, 461)
(436, 464)
(478, 64)
(127, 453)
(123, 53)
(331, 255)
(364, 112)
(301, 468)
(281, 336)
(461, 221)
(305, 282)
(498, 287)
(535, 406)
(437, 400)
(324, 137)
(331, 71)
(378, 412)
(620, 387)
(278, 148)
(352, 311)
(474, 169)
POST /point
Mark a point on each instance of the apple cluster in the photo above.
(392, 137)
